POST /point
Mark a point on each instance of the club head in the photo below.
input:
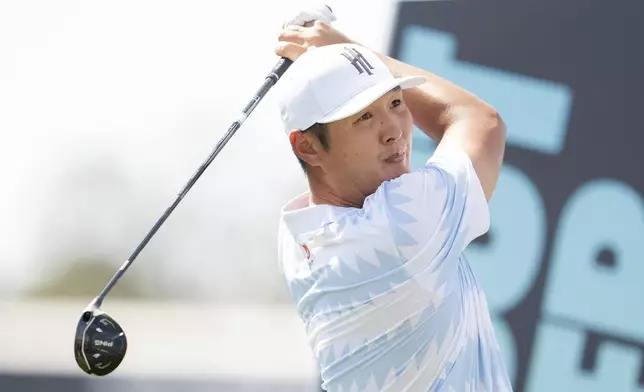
(100, 343)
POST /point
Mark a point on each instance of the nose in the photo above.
(391, 130)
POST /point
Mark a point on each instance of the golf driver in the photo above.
(100, 343)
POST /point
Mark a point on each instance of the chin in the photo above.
(395, 172)
(396, 169)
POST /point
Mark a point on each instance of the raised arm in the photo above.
(454, 117)
(447, 113)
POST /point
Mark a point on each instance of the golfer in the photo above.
(372, 253)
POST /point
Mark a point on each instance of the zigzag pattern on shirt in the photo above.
(389, 318)
(358, 365)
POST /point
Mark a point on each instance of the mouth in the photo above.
(397, 157)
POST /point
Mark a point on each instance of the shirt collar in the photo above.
(302, 217)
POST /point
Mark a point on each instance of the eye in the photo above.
(396, 102)
(365, 117)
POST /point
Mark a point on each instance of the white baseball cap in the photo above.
(333, 82)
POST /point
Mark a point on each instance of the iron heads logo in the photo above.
(358, 61)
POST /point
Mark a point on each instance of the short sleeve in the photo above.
(441, 205)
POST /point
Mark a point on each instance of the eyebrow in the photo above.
(395, 89)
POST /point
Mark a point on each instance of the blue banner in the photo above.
(563, 263)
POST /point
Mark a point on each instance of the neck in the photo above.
(322, 193)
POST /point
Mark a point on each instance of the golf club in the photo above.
(100, 343)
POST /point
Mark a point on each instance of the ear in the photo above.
(307, 147)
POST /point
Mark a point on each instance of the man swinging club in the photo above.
(373, 253)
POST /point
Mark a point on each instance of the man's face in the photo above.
(370, 147)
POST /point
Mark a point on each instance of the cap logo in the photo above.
(357, 60)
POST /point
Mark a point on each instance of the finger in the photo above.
(294, 36)
(289, 50)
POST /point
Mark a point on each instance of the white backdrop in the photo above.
(106, 110)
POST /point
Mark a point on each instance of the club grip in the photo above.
(278, 70)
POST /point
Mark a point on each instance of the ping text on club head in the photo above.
(103, 343)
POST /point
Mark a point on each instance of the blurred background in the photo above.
(107, 108)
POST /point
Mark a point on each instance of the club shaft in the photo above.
(271, 79)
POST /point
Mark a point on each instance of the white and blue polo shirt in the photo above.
(388, 300)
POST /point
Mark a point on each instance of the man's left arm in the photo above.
(455, 118)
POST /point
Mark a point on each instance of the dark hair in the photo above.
(321, 132)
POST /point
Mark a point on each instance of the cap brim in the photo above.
(371, 95)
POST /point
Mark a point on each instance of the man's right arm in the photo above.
(456, 118)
